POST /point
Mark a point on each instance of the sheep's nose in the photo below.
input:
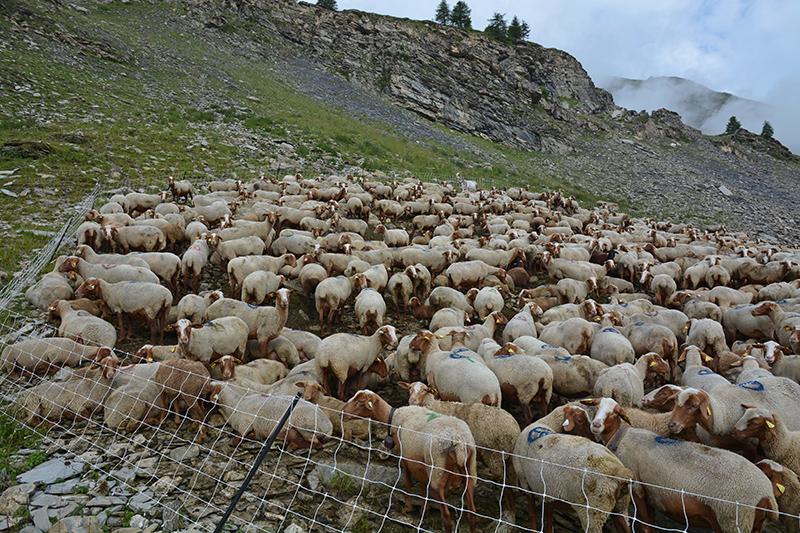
(596, 425)
(673, 426)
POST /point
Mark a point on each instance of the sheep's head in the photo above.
(498, 317)
(692, 407)
(102, 353)
(607, 419)
(145, 353)
(388, 336)
(379, 367)
(70, 264)
(764, 308)
(755, 423)
(282, 298)
(184, 328)
(422, 341)
(89, 289)
(576, 421)
(662, 399)
(508, 348)
(109, 365)
(696, 353)
(365, 404)
(795, 336)
(213, 391)
(312, 391)
(227, 365)
(418, 392)
(656, 366)
(471, 295)
(777, 474)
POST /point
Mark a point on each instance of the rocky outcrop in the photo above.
(526, 96)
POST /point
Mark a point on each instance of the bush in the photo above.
(733, 126)
(767, 131)
(328, 4)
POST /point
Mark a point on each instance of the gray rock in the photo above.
(138, 521)
(67, 487)
(171, 516)
(41, 519)
(15, 497)
(184, 453)
(724, 190)
(106, 501)
(294, 527)
(76, 524)
(43, 499)
(141, 502)
(52, 471)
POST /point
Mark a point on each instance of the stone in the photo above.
(76, 524)
(294, 527)
(171, 519)
(43, 499)
(138, 521)
(141, 502)
(66, 487)
(41, 519)
(52, 471)
(15, 497)
(106, 501)
(184, 453)
(724, 190)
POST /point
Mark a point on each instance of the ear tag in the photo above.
(780, 488)
(770, 425)
(708, 410)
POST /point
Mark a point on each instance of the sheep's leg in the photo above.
(438, 493)
(121, 323)
(527, 413)
(533, 512)
(408, 506)
(548, 517)
(471, 502)
(621, 524)
(643, 511)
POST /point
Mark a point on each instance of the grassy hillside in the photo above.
(129, 93)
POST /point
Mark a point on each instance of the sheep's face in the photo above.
(764, 309)
(656, 366)
(145, 353)
(607, 419)
(282, 298)
(312, 391)
(227, 364)
(508, 348)
(662, 399)
(691, 407)
(755, 423)
(70, 264)
(214, 390)
(109, 365)
(388, 336)
(576, 421)
(184, 330)
(89, 288)
(362, 405)
(417, 392)
(776, 474)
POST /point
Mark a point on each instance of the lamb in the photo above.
(48, 355)
(595, 485)
(257, 286)
(193, 307)
(786, 489)
(53, 286)
(370, 310)
(184, 383)
(486, 301)
(774, 439)
(467, 274)
(523, 380)
(141, 202)
(132, 299)
(446, 297)
(242, 247)
(76, 398)
(141, 238)
(625, 382)
(330, 297)
(83, 327)
(409, 363)
(460, 374)
(165, 265)
(261, 371)
(707, 335)
(264, 323)
(574, 334)
(206, 343)
(90, 234)
(111, 274)
(256, 415)
(240, 267)
(400, 288)
(697, 488)
(611, 347)
(443, 442)
(333, 409)
(193, 262)
(702, 309)
(394, 238)
(341, 357)
(494, 429)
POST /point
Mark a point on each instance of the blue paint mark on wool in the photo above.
(665, 440)
(537, 433)
(754, 385)
(564, 358)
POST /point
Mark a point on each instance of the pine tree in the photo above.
(497, 28)
(767, 131)
(461, 16)
(443, 13)
(515, 30)
(733, 126)
(526, 31)
(328, 4)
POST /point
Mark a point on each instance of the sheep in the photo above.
(305, 342)
(611, 347)
(493, 428)
(341, 357)
(786, 325)
(400, 288)
(240, 267)
(193, 307)
(47, 355)
(467, 274)
(132, 299)
(333, 409)
(646, 338)
(574, 334)
(696, 374)
(184, 383)
(370, 310)
(663, 286)
(53, 286)
(83, 327)
(448, 317)
(787, 366)
(262, 371)
(165, 265)
(707, 335)
(787, 492)
(572, 291)
(595, 485)
(206, 343)
(459, 374)
(193, 262)
(486, 301)
(264, 323)
(241, 247)
(330, 297)
(310, 276)
(141, 202)
(441, 297)
(473, 335)
(408, 362)
(149, 353)
(76, 398)
(441, 441)
(774, 439)
(625, 382)
(256, 415)
(421, 278)
(702, 309)
(686, 480)
(180, 189)
(141, 238)
(394, 238)
(587, 310)
(375, 277)
(112, 273)
(90, 234)
(522, 379)
(257, 286)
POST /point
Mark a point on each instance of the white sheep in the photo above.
(370, 310)
(625, 382)
(223, 336)
(486, 301)
(258, 286)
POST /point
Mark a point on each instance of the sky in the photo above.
(750, 48)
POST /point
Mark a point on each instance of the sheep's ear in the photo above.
(403, 385)
(300, 384)
(590, 401)
(624, 417)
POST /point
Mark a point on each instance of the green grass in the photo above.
(14, 437)
(343, 485)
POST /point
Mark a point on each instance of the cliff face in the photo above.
(525, 96)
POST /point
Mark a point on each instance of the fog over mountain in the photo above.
(704, 108)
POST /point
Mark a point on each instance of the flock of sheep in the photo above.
(683, 340)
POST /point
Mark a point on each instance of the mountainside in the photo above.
(127, 93)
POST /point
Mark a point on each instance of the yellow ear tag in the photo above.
(780, 487)
(770, 425)
(213, 365)
(653, 363)
(369, 404)
(172, 349)
(709, 359)
(708, 410)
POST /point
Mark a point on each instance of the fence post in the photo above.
(259, 459)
